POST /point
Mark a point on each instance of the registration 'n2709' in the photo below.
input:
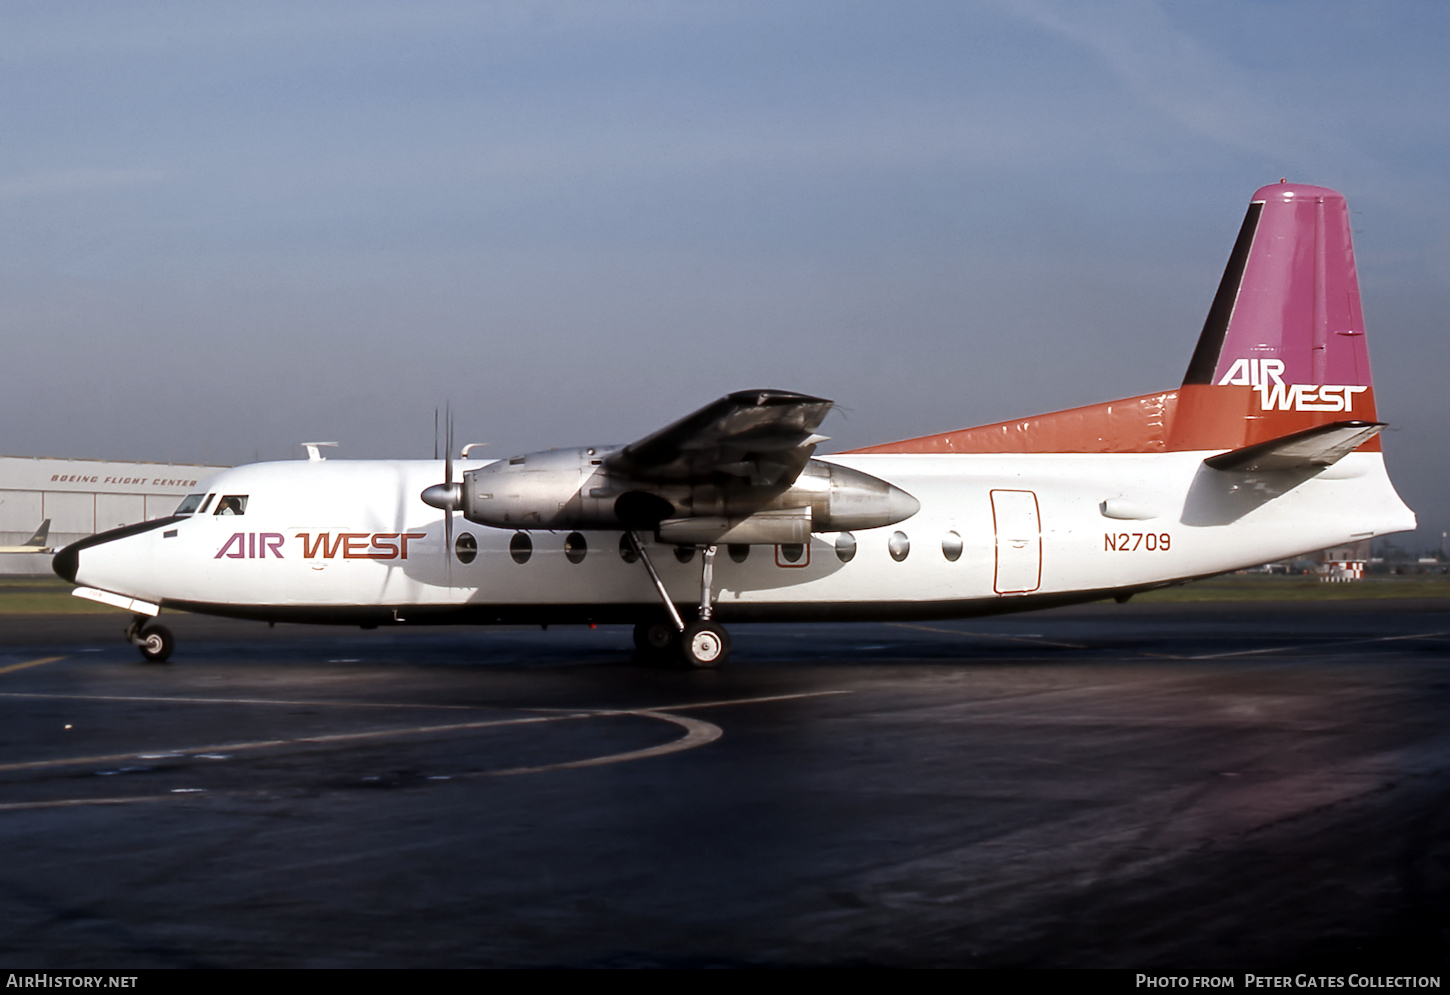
(1137, 542)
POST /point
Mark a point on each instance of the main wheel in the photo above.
(705, 645)
(157, 642)
(656, 642)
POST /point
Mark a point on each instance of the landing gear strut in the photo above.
(154, 641)
(704, 643)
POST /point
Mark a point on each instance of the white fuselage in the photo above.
(1032, 530)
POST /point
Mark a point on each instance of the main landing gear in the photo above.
(703, 644)
(154, 641)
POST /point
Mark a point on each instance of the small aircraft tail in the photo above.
(35, 544)
(41, 534)
(1282, 353)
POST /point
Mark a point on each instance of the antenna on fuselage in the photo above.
(314, 450)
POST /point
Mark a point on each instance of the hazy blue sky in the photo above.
(228, 228)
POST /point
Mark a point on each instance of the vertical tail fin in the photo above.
(1282, 352)
(38, 540)
(1283, 348)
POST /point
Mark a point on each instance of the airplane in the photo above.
(35, 544)
(1268, 449)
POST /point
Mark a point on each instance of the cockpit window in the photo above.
(189, 504)
(205, 504)
(232, 504)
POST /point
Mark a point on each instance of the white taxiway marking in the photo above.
(697, 733)
(232, 701)
(1303, 646)
(73, 802)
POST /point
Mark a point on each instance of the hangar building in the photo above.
(81, 498)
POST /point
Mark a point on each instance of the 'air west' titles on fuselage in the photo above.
(1275, 395)
(349, 545)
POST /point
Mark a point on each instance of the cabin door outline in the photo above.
(1017, 530)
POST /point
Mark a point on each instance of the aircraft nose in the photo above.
(67, 563)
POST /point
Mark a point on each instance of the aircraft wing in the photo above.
(764, 437)
(1323, 445)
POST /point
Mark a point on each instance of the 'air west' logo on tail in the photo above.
(1276, 395)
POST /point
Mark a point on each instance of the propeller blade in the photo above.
(448, 482)
(448, 448)
(447, 496)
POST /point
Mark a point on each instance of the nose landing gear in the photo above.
(154, 641)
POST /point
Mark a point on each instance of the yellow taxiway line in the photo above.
(30, 663)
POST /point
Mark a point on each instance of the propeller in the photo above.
(448, 486)
(447, 496)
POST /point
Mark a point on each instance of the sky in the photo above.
(226, 229)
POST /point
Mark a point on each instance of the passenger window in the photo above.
(899, 546)
(521, 547)
(232, 504)
(466, 547)
(626, 549)
(189, 504)
(793, 554)
(575, 547)
(951, 547)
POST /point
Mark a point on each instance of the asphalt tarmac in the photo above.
(1188, 787)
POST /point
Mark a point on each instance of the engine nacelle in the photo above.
(574, 489)
(555, 489)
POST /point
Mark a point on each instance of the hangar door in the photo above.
(115, 510)
(1019, 542)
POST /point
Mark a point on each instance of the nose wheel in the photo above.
(154, 641)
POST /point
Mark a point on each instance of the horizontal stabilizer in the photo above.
(1323, 445)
